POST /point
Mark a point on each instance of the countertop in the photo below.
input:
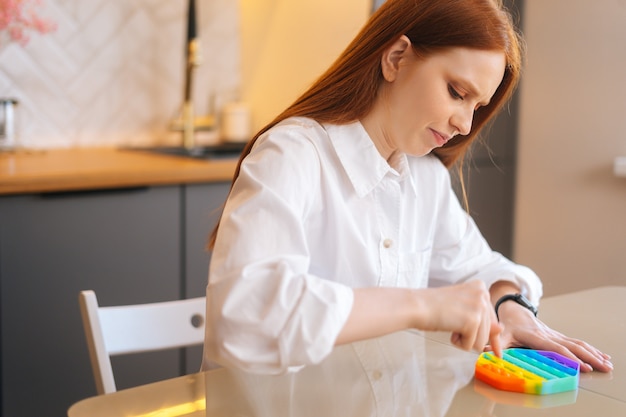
(60, 170)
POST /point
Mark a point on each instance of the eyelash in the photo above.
(455, 94)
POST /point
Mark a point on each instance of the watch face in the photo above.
(524, 301)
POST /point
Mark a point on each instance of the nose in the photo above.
(462, 120)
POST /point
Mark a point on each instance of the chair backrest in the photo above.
(137, 328)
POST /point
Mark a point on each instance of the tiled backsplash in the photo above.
(112, 72)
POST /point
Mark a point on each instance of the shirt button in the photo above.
(387, 243)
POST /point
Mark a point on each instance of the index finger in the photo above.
(494, 336)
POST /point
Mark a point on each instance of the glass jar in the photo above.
(8, 134)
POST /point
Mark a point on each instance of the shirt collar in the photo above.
(361, 161)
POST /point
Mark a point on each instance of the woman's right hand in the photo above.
(465, 310)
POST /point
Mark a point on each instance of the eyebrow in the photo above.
(472, 90)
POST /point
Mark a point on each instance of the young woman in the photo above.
(341, 224)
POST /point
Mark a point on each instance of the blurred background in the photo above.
(543, 187)
(111, 74)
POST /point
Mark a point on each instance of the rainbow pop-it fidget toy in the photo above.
(528, 371)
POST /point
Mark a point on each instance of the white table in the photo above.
(597, 316)
(404, 374)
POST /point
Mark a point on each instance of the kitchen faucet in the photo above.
(192, 61)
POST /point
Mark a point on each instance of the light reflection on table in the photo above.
(400, 374)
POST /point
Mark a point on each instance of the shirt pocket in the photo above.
(413, 269)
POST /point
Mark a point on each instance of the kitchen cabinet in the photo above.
(203, 206)
(130, 245)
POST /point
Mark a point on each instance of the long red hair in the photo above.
(347, 90)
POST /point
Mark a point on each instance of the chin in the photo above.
(419, 153)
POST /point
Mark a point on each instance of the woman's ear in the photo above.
(393, 56)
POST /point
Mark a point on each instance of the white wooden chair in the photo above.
(137, 328)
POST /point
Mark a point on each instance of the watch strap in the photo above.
(519, 299)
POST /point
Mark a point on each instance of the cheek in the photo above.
(438, 103)
(410, 109)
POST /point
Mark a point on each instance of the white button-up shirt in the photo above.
(317, 211)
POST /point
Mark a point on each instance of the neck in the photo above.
(376, 131)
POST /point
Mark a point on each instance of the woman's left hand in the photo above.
(522, 329)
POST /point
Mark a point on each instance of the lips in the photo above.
(440, 138)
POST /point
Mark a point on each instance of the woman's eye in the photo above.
(455, 94)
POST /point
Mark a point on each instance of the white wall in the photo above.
(570, 209)
(112, 72)
(287, 44)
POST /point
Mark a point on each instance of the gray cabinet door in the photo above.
(203, 206)
(124, 244)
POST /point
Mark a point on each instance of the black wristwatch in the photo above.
(519, 299)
